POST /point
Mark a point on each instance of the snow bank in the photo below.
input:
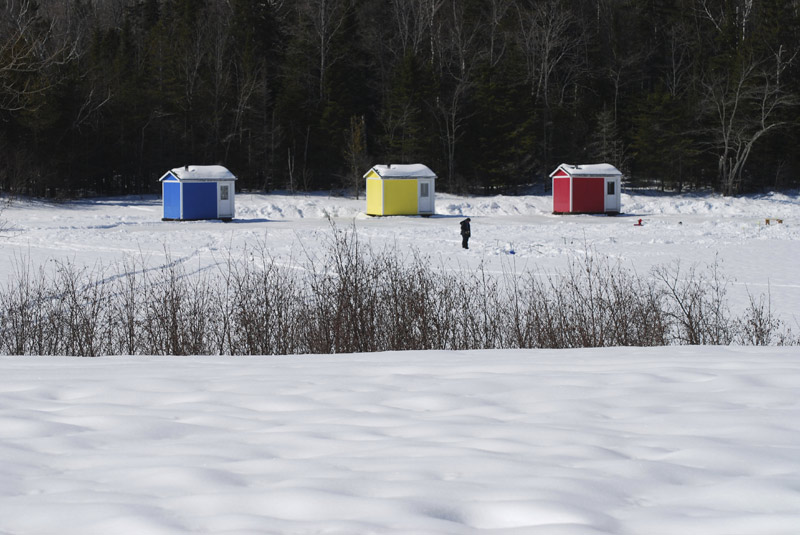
(603, 441)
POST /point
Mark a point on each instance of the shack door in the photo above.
(612, 195)
(425, 196)
(225, 202)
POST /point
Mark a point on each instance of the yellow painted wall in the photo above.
(400, 197)
(374, 196)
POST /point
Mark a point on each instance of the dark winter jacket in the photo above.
(465, 227)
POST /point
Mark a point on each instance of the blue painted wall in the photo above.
(200, 200)
(172, 199)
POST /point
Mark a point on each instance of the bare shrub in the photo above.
(696, 305)
(62, 314)
(594, 303)
(342, 303)
(758, 325)
(264, 313)
(21, 308)
(81, 306)
(166, 321)
(126, 307)
(408, 295)
(353, 299)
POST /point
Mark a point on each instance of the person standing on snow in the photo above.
(465, 233)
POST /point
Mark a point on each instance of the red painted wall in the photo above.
(561, 194)
(588, 195)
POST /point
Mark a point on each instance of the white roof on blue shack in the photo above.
(200, 172)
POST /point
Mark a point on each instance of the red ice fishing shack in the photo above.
(586, 189)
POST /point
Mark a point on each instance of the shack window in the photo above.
(223, 193)
(423, 189)
(611, 188)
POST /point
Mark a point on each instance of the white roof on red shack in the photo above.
(595, 169)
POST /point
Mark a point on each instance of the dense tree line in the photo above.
(103, 96)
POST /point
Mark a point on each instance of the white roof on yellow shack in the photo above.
(411, 170)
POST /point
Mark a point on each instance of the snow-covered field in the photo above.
(689, 440)
(692, 229)
(660, 441)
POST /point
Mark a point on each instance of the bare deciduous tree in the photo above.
(743, 105)
(325, 20)
(219, 61)
(413, 23)
(355, 152)
(550, 42)
(458, 58)
(30, 48)
(721, 13)
(547, 42)
(677, 75)
(496, 12)
(606, 144)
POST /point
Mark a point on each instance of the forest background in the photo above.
(101, 97)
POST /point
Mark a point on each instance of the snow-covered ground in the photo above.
(658, 441)
(690, 440)
(692, 229)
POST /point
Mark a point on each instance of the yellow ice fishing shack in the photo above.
(401, 189)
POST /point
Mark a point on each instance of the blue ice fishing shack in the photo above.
(198, 192)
